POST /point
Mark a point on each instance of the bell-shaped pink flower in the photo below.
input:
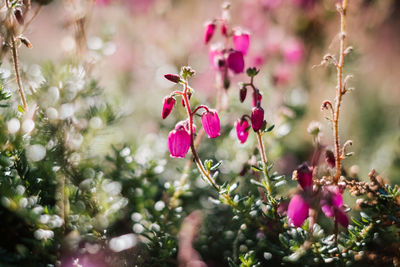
(242, 130)
(169, 103)
(216, 57)
(332, 204)
(293, 51)
(224, 29)
(209, 32)
(304, 176)
(298, 210)
(257, 118)
(211, 124)
(241, 41)
(179, 142)
(235, 61)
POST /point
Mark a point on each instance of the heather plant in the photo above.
(73, 193)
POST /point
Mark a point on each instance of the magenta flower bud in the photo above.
(298, 210)
(341, 217)
(330, 158)
(257, 118)
(242, 94)
(209, 32)
(224, 29)
(179, 142)
(242, 130)
(211, 124)
(332, 204)
(169, 103)
(304, 176)
(172, 78)
(257, 97)
(241, 41)
(235, 61)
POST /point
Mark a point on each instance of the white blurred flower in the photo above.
(35, 152)
(27, 126)
(123, 242)
(13, 125)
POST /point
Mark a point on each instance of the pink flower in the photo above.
(236, 61)
(241, 41)
(298, 210)
(242, 130)
(332, 205)
(304, 176)
(211, 124)
(257, 118)
(224, 29)
(216, 57)
(169, 103)
(293, 51)
(209, 32)
(179, 141)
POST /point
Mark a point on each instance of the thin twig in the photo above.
(17, 75)
(339, 89)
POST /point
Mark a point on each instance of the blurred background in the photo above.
(123, 48)
(131, 44)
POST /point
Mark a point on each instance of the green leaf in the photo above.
(216, 166)
(270, 128)
(255, 168)
(21, 109)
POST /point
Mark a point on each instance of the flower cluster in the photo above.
(181, 138)
(329, 198)
(225, 59)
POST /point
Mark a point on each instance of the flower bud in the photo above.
(298, 210)
(172, 78)
(211, 124)
(242, 94)
(169, 103)
(330, 158)
(304, 176)
(235, 61)
(257, 118)
(209, 32)
(241, 41)
(224, 29)
(179, 142)
(242, 130)
(257, 97)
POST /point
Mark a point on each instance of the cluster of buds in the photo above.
(329, 198)
(181, 138)
(224, 59)
(257, 113)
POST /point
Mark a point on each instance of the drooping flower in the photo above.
(209, 32)
(298, 210)
(216, 57)
(224, 29)
(241, 41)
(304, 176)
(242, 130)
(257, 118)
(211, 124)
(332, 205)
(235, 61)
(169, 102)
(179, 141)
